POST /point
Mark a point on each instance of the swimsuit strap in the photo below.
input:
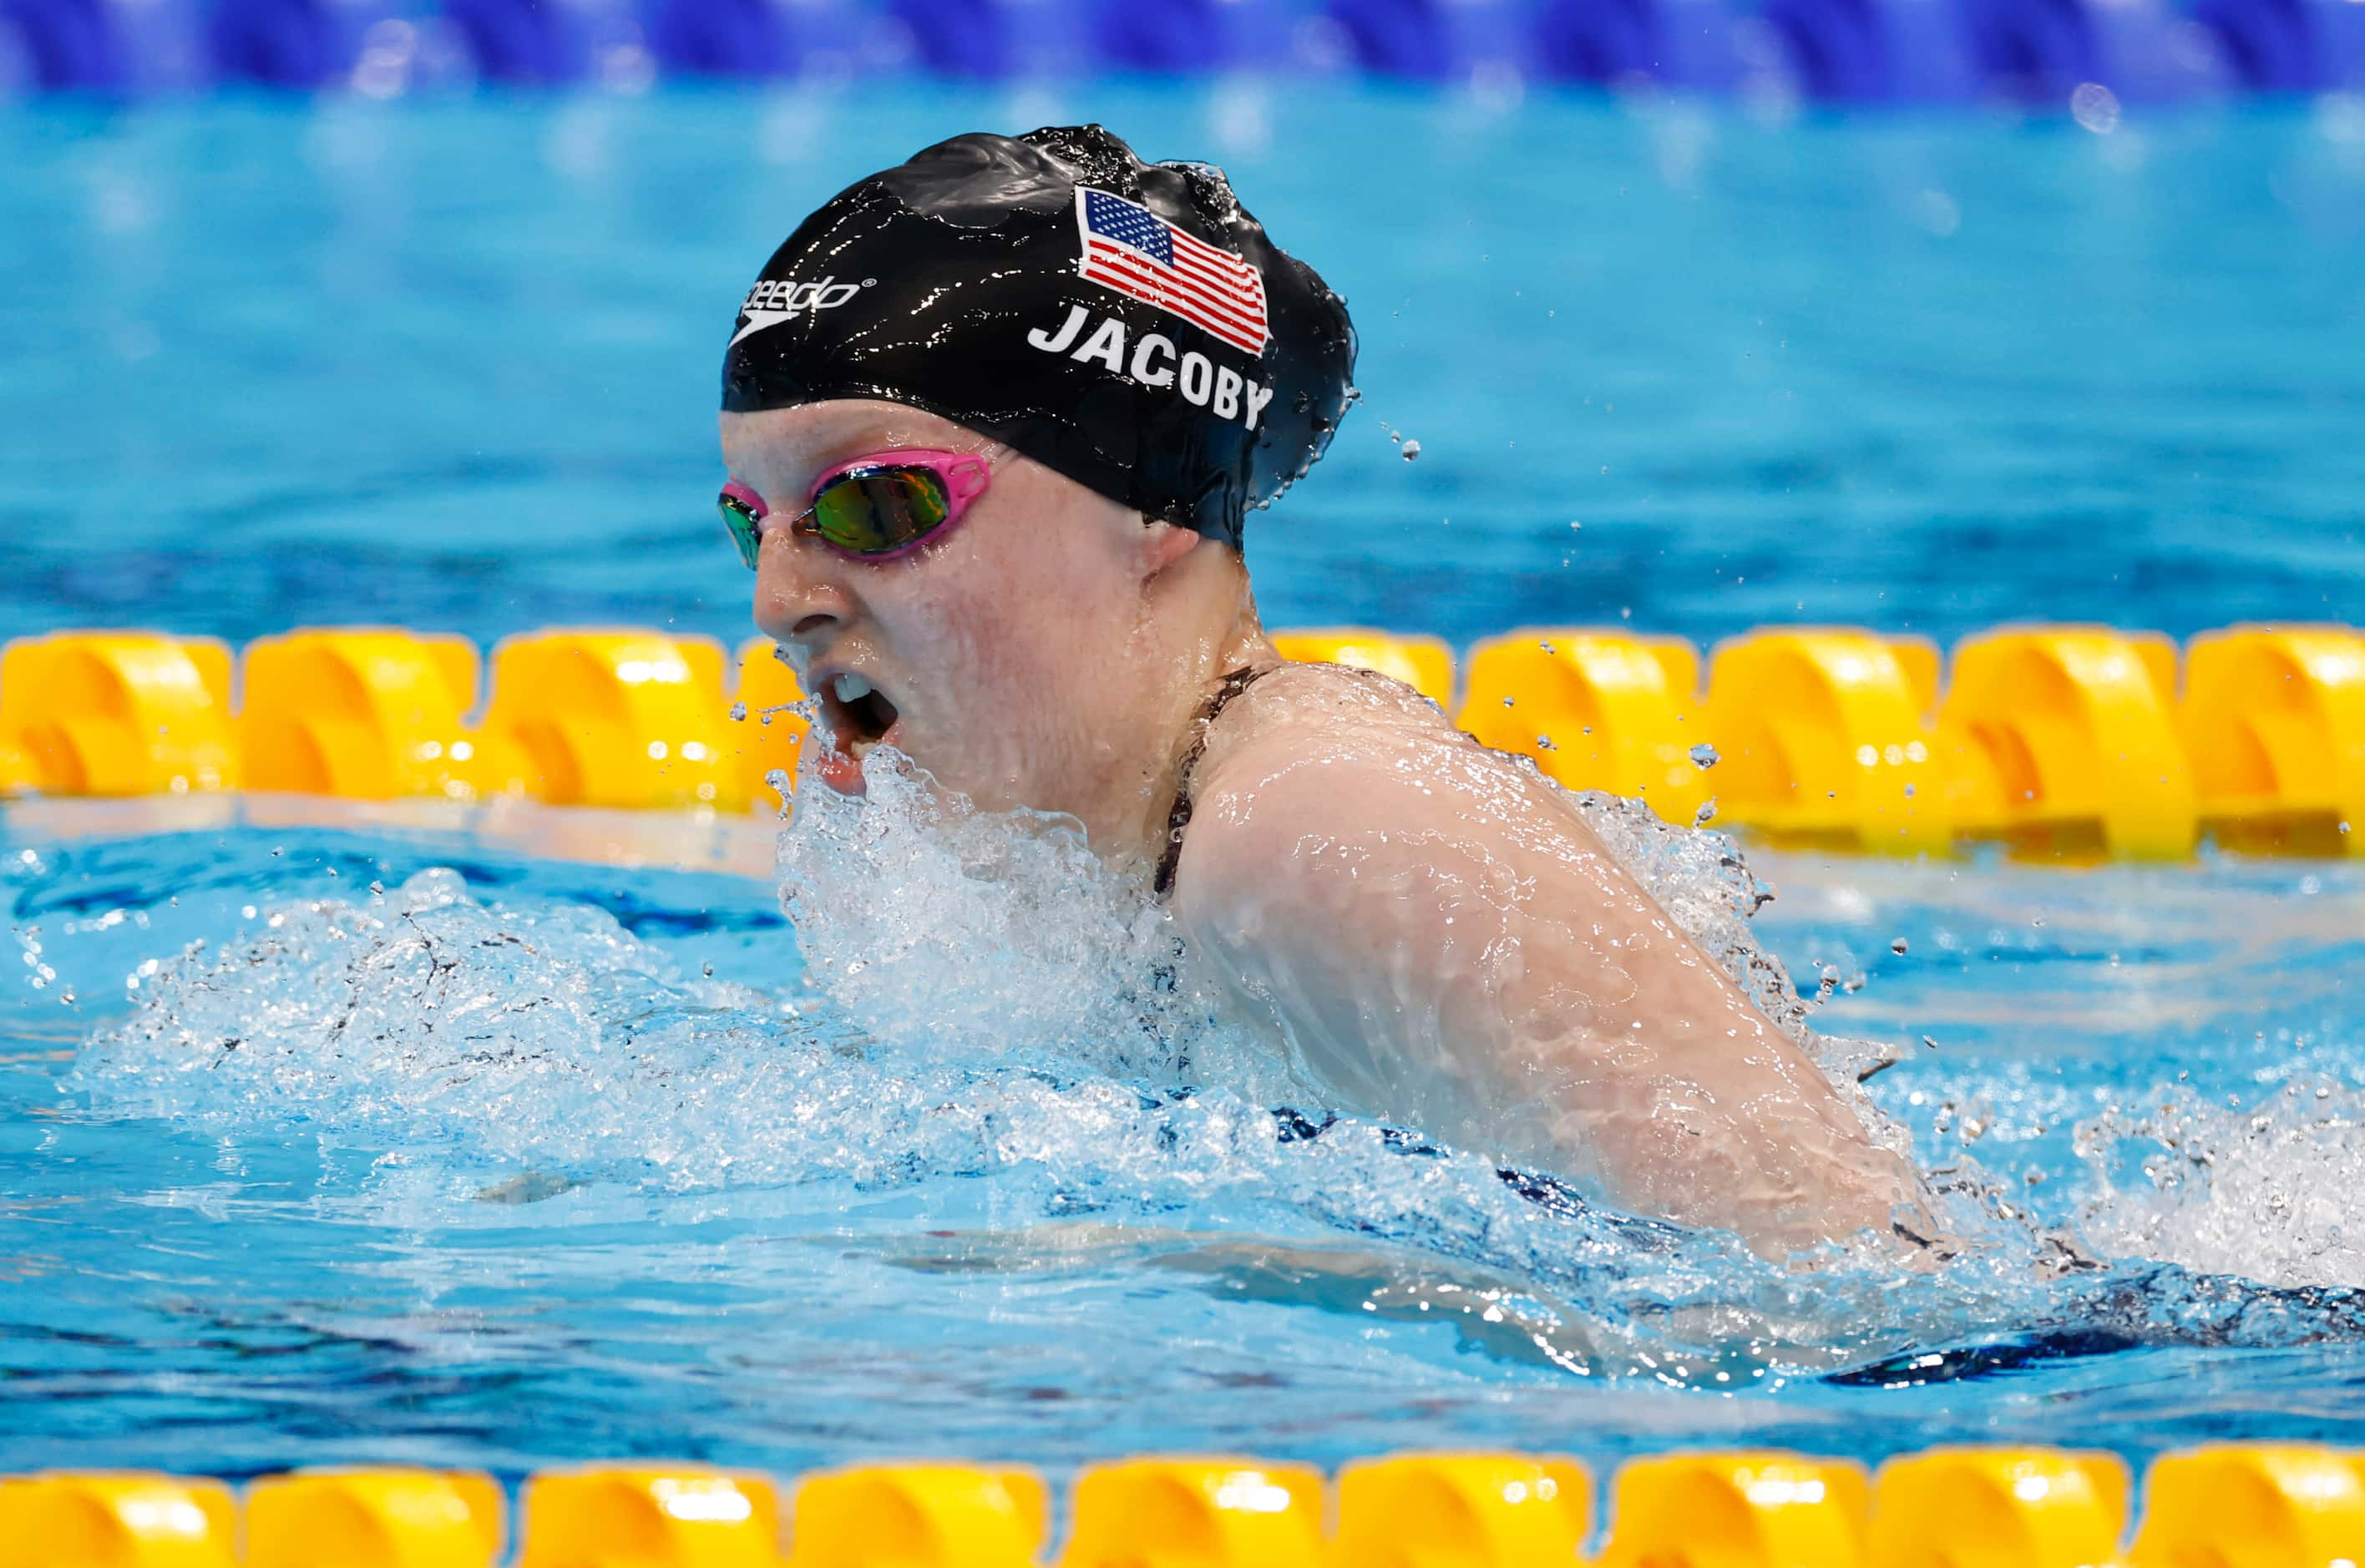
(1179, 817)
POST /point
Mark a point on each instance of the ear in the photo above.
(1163, 544)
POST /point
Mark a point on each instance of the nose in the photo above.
(800, 602)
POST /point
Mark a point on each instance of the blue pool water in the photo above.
(455, 366)
(482, 1165)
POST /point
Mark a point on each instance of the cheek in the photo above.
(968, 637)
(1022, 632)
(1042, 604)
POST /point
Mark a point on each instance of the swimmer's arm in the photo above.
(1451, 944)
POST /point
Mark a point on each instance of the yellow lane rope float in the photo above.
(2067, 742)
(2258, 1504)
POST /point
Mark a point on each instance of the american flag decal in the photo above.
(1131, 249)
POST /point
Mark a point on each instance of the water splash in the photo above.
(943, 928)
(2274, 1190)
(989, 1007)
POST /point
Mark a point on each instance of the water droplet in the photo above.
(1898, 947)
(1704, 756)
(1706, 814)
(738, 713)
(1411, 450)
(2095, 107)
(378, 887)
(1507, 702)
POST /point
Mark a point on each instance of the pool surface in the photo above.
(608, 1204)
(443, 1148)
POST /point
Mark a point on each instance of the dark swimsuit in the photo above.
(1179, 816)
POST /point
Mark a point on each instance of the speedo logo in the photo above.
(776, 299)
(1152, 361)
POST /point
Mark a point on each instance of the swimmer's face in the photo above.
(1005, 655)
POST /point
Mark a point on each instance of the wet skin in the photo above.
(1432, 925)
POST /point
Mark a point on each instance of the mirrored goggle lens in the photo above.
(878, 512)
(740, 519)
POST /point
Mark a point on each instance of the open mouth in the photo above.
(858, 714)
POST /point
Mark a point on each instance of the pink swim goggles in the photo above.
(876, 507)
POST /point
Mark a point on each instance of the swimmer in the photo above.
(994, 421)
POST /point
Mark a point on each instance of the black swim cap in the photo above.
(1124, 323)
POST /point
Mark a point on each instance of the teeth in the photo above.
(851, 687)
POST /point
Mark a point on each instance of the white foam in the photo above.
(939, 926)
(1010, 1038)
(2274, 1192)
(984, 994)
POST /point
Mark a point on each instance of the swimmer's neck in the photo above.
(1198, 622)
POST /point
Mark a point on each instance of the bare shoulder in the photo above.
(1305, 724)
(1329, 710)
(1317, 768)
